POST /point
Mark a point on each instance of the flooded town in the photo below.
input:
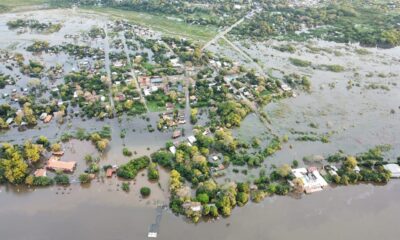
(209, 120)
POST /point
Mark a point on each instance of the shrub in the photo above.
(130, 169)
(61, 179)
(84, 178)
(145, 191)
(126, 152)
(125, 187)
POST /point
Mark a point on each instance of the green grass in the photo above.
(153, 107)
(21, 3)
(161, 23)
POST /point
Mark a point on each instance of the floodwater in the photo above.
(355, 212)
(358, 117)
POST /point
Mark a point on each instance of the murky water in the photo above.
(355, 212)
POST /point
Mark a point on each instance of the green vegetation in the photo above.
(145, 191)
(125, 187)
(130, 169)
(161, 23)
(61, 179)
(299, 62)
(84, 178)
(152, 172)
(339, 21)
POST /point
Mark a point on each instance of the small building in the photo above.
(144, 81)
(47, 119)
(311, 178)
(58, 153)
(192, 139)
(394, 170)
(40, 173)
(55, 164)
(172, 149)
(156, 81)
(110, 172)
(43, 116)
(176, 134)
(194, 206)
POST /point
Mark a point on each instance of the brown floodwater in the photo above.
(355, 212)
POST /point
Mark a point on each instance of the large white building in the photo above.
(312, 179)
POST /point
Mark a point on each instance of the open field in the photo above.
(162, 24)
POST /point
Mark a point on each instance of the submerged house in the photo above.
(311, 178)
(394, 170)
(55, 164)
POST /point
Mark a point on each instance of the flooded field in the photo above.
(356, 109)
(356, 212)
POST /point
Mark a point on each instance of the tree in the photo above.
(203, 198)
(32, 151)
(102, 145)
(61, 179)
(85, 178)
(242, 198)
(145, 191)
(15, 168)
(350, 163)
(284, 170)
(125, 187)
(174, 181)
(56, 147)
(152, 172)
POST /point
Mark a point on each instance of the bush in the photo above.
(84, 178)
(42, 181)
(126, 152)
(299, 62)
(61, 179)
(145, 191)
(130, 169)
(125, 187)
(152, 172)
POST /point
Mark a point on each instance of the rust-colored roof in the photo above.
(61, 165)
(110, 172)
(48, 119)
(40, 173)
(59, 153)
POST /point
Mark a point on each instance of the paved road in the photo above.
(108, 70)
(221, 34)
(142, 98)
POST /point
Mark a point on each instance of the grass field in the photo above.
(21, 3)
(163, 24)
(10, 5)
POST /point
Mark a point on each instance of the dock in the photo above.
(155, 227)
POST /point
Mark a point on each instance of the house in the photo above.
(110, 172)
(58, 153)
(192, 139)
(394, 170)
(172, 149)
(55, 164)
(144, 81)
(169, 106)
(311, 178)
(176, 134)
(194, 206)
(43, 116)
(40, 173)
(48, 118)
(285, 87)
(156, 81)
